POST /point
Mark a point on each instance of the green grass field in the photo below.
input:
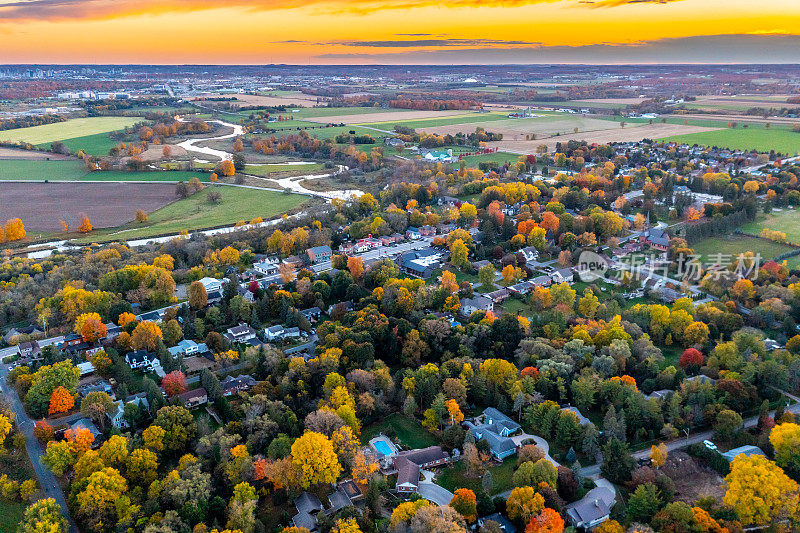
(733, 245)
(787, 221)
(71, 129)
(196, 212)
(98, 144)
(21, 169)
(755, 137)
(267, 169)
(410, 432)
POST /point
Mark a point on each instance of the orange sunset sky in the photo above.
(399, 31)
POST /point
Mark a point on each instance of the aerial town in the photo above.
(487, 298)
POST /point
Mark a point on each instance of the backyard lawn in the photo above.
(409, 431)
(455, 477)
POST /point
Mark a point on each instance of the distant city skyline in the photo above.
(399, 31)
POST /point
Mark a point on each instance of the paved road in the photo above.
(594, 470)
(47, 480)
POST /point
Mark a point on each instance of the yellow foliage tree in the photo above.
(759, 491)
(315, 458)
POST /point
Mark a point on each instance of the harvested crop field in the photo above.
(76, 127)
(31, 155)
(298, 99)
(106, 204)
(617, 134)
(388, 116)
(519, 129)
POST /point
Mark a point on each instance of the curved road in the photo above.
(47, 480)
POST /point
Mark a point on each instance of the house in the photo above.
(529, 253)
(427, 231)
(499, 296)
(497, 429)
(730, 455)
(85, 368)
(312, 313)
(211, 284)
(477, 265)
(117, 417)
(266, 267)
(561, 275)
(655, 238)
(214, 297)
(660, 394)
(23, 332)
(307, 505)
(318, 254)
(29, 349)
(71, 340)
(242, 333)
(449, 201)
(366, 244)
(409, 463)
(505, 524)
(345, 306)
(276, 333)
(185, 347)
(140, 359)
(100, 385)
(479, 303)
(234, 385)
(541, 281)
(413, 233)
(702, 378)
(420, 263)
(86, 423)
(394, 142)
(193, 398)
(522, 288)
(593, 509)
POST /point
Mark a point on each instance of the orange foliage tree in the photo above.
(548, 521)
(61, 401)
(14, 230)
(85, 225)
(174, 383)
(356, 266)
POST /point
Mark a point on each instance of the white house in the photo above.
(241, 333)
(185, 347)
(266, 267)
(117, 417)
(275, 333)
(139, 359)
(479, 303)
(211, 284)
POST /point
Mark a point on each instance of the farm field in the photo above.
(196, 212)
(431, 123)
(386, 116)
(755, 137)
(19, 153)
(733, 245)
(98, 144)
(317, 112)
(267, 169)
(106, 204)
(519, 129)
(609, 135)
(787, 221)
(71, 129)
(19, 169)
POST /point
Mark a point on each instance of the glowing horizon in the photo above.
(398, 31)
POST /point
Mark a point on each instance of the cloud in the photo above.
(739, 48)
(100, 9)
(434, 43)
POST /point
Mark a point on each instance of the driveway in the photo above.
(433, 492)
(47, 480)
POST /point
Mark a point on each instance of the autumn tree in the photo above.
(174, 383)
(465, 502)
(99, 503)
(363, 467)
(43, 516)
(459, 254)
(61, 401)
(548, 521)
(226, 168)
(314, 456)
(14, 230)
(785, 439)
(356, 266)
(85, 225)
(524, 503)
(198, 297)
(141, 216)
(146, 336)
(43, 432)
(658, 455)
(178, 425)
(456, 416)
(153, 438)
(759, 491)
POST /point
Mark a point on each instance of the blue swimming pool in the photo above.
(383, 447)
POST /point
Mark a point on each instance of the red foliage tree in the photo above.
(529, 371)
(43, 431)
(691, 357)
(61, 401)
(174, 383)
